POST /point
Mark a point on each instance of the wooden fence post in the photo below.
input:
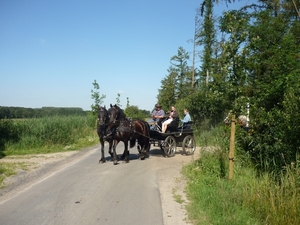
(231, 150)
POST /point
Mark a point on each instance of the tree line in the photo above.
(250, 55)
(7, 112)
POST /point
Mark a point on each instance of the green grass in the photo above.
(49, 134)
(8, 169)
(247, 198)
(42, 136)
(177, 197)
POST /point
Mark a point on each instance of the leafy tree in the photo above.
(207, 38)
(273, 63)
(127, 104)
(98, 100)
(166, 96)
(183, 73)
(118, 100)
(256, 60)
(178, 83)
(134, 112)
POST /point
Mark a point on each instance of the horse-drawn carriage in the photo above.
(174, 136)
(113, 127)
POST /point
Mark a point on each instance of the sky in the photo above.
(51, 51)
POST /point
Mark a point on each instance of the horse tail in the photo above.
(132, 143)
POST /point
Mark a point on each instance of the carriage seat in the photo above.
(186, 126)
(172, 127)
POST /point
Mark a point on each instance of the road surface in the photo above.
(85, 192)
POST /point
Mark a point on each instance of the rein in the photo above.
(136, 132)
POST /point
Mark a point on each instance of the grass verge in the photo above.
(247, 198)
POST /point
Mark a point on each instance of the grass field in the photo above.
(46, 135)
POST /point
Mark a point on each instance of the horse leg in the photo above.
(144, 143)
(110, 149)
(126, 152)
(102, 159)
(115, 156)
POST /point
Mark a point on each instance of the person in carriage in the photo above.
(186, 122)
(187, 117)
(172, 115)
(157, 114)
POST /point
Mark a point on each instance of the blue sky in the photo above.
(51, 51)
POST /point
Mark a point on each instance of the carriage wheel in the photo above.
(170, 146)
(189, 145)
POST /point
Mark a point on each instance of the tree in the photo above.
(178, 83)
(183, 78)
(207, 37)
(98, 100)
(127, 104)
(166, 96)
(234, 56)
(118, 100)
(134, 112)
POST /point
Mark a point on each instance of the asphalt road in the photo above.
(90, 193)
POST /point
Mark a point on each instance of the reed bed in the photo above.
(50, 134)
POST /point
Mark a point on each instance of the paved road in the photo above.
(90, 193)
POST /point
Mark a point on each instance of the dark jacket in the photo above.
(174, 114)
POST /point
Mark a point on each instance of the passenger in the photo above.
(157, 114)
(173, 114)
(187, 117)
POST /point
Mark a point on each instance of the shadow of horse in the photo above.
(128, 131)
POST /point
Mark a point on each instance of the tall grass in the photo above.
(248, 198)
(50, 134)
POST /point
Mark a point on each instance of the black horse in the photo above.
(101, 131)
(122, 129)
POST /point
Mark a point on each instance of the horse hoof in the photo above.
(102, 161)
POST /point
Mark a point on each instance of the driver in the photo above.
(157, 114)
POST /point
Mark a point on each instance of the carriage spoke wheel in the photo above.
(170, 146)
(189, 145)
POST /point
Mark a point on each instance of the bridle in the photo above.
(115, 118)
(102, 120)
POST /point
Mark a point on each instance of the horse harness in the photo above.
(130, 129)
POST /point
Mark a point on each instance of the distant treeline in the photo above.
(21, 112)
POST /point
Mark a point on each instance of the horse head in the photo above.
(102, 117)
(115, 114)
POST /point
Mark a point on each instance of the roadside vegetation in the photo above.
(43, 135)
(47, 134)
(251, 197)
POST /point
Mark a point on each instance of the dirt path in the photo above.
(170, 180)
